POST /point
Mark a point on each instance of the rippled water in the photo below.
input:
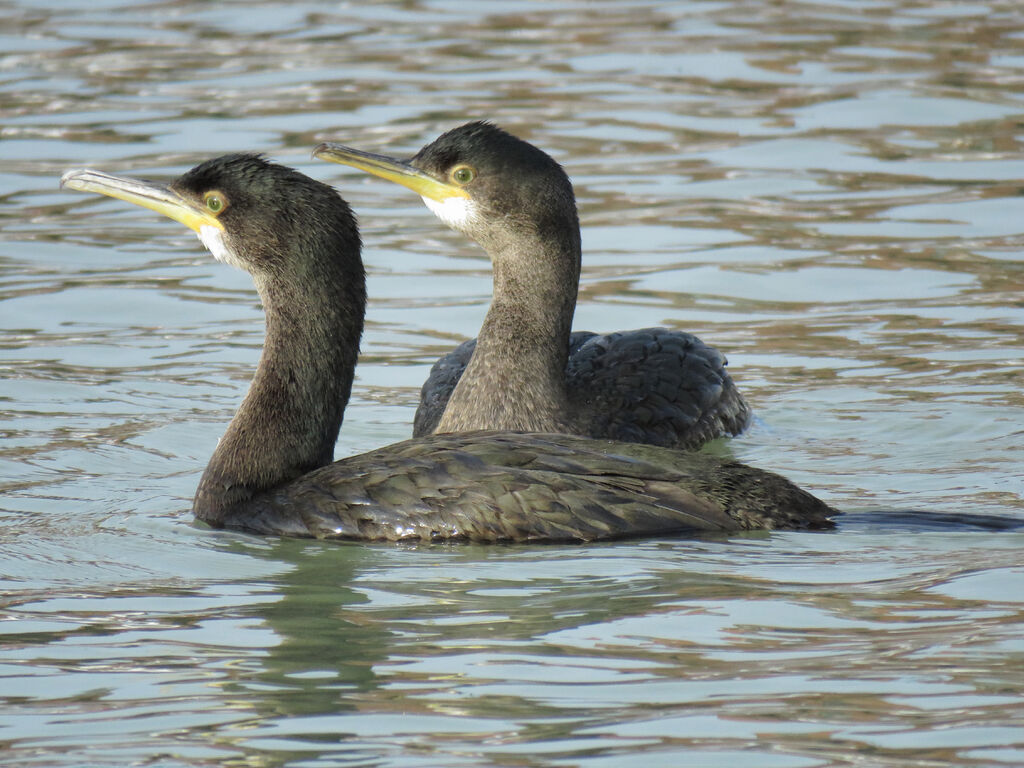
(829, 192)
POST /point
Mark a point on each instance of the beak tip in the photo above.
(318, 149)
(69, 176)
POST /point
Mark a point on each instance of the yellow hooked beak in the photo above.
(148, 194)
(392, 169)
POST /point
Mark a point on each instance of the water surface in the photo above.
(829, 192)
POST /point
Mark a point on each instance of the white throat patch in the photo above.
(456, 212)
(213, 239)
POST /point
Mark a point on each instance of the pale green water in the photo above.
(829, 192)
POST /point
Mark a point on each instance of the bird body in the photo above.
(526, 370)
(673, 405)
(273, 473)
(506, 486)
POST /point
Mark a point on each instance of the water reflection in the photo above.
(322, 657)
(491, 650)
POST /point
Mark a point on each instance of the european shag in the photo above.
(526, 370)
(272, 472)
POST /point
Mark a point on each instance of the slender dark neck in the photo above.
(289, 420)
(516, 377)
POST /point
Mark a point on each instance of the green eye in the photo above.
(463, 174)
(215, 202)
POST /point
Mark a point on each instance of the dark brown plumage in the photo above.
(272, 473)
(525, 370)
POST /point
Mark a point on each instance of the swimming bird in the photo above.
(273, 471)
(526, 370)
